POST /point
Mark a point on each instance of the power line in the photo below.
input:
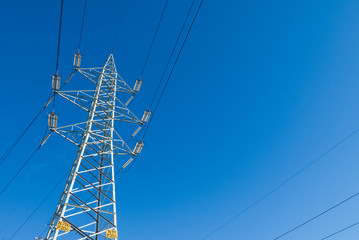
(342, 230)
(317, 216)
(82, 25)
(169, 76)
(154, 38)
(173, 67)
(173, 50)
(51, 97)
(281, 184)
(25, 163)
(59, 38)
(13, 145)
(37, 207)
(118, 29)
(9, 150)
(58, 53)
(43, 141)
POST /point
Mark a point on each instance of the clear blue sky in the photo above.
(261, 89)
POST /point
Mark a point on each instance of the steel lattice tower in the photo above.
(87, 207)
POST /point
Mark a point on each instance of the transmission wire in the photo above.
(52, 97)
(286, 181)
(82, 25)
(281, 184)
(173, 50)
(173, 67)
(117, 30)
(13, 145)
(59, 38)
(47, 103)
(37, 207)
(52, 94)
(316, 216)
(341, 230)
(26, 162)
(9, 150)
(153, 40)
(163, 74)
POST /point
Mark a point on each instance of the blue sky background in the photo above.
(260, 90)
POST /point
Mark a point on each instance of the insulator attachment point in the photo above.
(56, 82)
(137, 86)
(138, 147)
(146, 116)
(52, 120)
(77, 60)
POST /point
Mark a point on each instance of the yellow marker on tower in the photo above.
(63, 226)
(111, 233)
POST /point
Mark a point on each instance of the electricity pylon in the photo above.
(87, 207)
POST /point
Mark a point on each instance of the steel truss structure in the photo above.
(87, 207)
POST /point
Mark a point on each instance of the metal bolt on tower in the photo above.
(87, 207)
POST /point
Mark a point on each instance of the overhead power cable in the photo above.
(51, 97)
(252, 205)
(170, 74)
(8, 151)
(154, 38)
(118, 28)
(26, 162)
(82, 25)
(341, 230)
(164, 71)
(13, 145)
(173, 50)
(173, 67)
(317, 216)
(59, 38)
(38, 207)
(58, 53)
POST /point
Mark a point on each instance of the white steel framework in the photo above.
(87, 207)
